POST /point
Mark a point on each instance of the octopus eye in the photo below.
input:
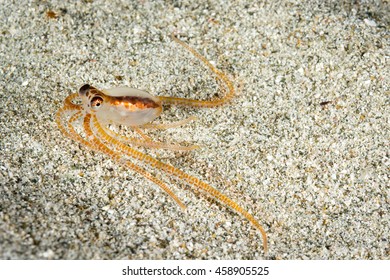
(84, 89)
(96, 102)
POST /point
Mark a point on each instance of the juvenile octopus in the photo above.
(137, 109)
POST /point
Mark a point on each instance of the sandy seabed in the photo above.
(304, 146)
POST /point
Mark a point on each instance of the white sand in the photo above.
(316, 176)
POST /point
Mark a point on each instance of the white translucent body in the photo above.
(119, 114)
